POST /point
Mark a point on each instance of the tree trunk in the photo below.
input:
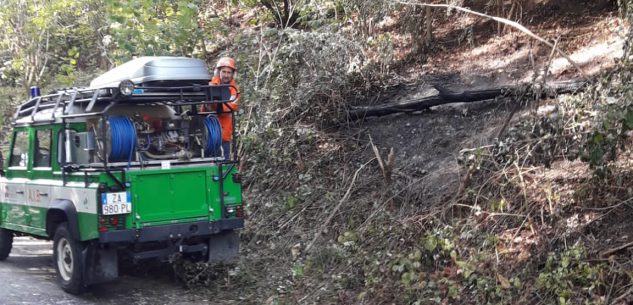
(428, 27)
(467, 96)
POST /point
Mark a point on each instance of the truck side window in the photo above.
(42, 148)
(20, 152)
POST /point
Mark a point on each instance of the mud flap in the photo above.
(224, 247)
(101, 265)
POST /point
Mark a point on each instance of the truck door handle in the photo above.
(44, 194)
(19, 192)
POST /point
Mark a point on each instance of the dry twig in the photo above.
(386, 167)
(338, 206)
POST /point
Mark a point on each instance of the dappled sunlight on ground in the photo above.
(513, 57)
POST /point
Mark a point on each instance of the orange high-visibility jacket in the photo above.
(224, 114)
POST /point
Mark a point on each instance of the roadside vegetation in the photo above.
(532, 207)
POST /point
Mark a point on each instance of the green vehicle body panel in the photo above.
(87, 226)
(32, 220)
(232, 190)
(20, 217)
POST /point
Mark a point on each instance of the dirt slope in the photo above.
(429, 142)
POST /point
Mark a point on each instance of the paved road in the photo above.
(28, 277)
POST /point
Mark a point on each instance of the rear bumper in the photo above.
(178, 231)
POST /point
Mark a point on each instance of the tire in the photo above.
(6, 242)
(68, 260)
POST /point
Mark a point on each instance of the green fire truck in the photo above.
(132, 166)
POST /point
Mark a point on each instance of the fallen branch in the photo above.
(616, 249)
(292, 218)
(338, 206)
(623, 296)
(468, 96)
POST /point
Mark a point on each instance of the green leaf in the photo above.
(430, 243)
(629, 119)
(565, 262)
(598, 138)
(562, 301)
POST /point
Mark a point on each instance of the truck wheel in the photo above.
(68, 260)
(6, 242)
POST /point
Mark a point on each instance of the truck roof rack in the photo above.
(80, 102)
(167, 80)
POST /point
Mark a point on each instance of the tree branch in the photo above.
(467, 96)
(511, 23)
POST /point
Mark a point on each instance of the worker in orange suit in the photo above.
(224, 74)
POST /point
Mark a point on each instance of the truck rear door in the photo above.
(169, 194)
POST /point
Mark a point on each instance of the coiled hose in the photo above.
(123, 136)
(214, 136)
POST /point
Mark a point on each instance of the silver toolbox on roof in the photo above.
(155, 69)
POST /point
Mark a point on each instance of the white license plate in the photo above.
(116, 203)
